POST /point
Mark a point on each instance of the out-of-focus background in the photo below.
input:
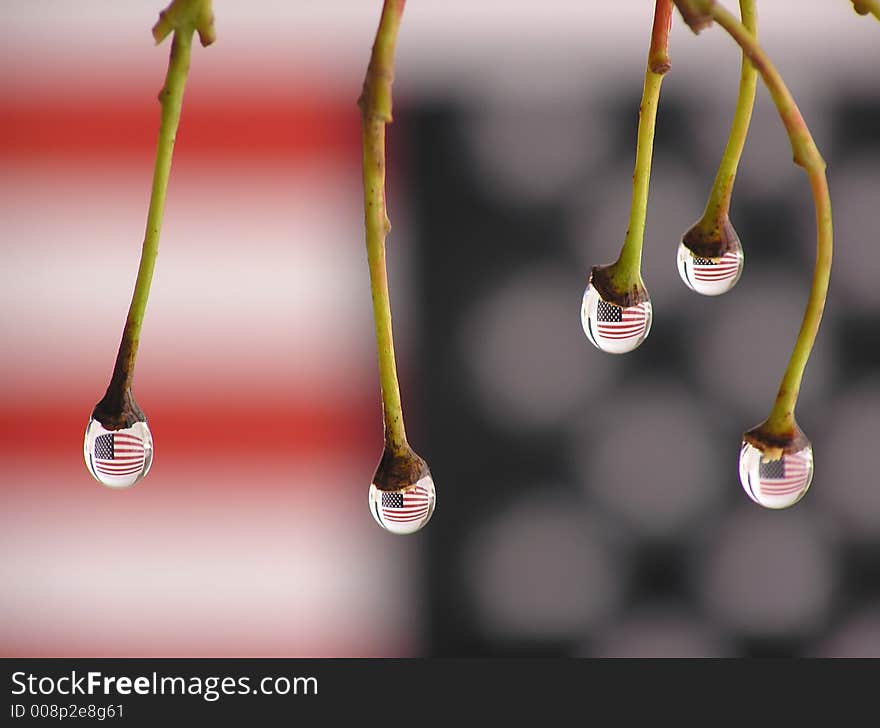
(588, 505)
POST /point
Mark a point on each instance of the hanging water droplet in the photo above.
(406, 510)
(612, 328)
(776, 483)
(118, 458)
(710, 276)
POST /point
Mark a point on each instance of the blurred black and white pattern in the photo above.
(591, 504)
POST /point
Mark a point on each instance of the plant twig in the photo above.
(375, 104)
(621, 281)
(863, 7)
(780, 431)
(399, 467)
(184, 17)
(718, 205)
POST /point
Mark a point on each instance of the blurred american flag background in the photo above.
(257, 368)
(251, 535)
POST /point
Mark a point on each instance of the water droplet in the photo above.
(613, 328)
(118, 458)
(710, 276)
(775, 483)
(406, 510)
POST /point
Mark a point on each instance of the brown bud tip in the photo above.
(774, 445)
(696, 13)
(398, 470)
(712, 243)
(117, 411)
(602, 279)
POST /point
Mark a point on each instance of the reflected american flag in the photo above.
(118, 454)
(407, 506)
(713, 270)
(615, 322)
(785, 476)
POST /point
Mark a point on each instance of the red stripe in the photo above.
(301, 428)
(621, 329)
(783, 481)
(774, 493)
(794, 477)
(718, 273)
(787, 489)
(620, 336)
(621, 325)
(301, 123)
(106, 467)
(709, 268)
(784, 484)
(701, 277)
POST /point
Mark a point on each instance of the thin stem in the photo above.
(628, 266)
(118, 409)
(375, 103)
(781, 420)
(863, 7)
(718, 205)
(171, 99)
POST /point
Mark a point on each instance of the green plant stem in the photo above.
(171, 99)
(863, 7)
(375, 104)
(781, 421)
(627, 269)
(718, 205)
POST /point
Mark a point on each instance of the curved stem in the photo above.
(375, 103)
(118, 398)
(863, 7)
(718, 205)
(781, 420)
(627, 269)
